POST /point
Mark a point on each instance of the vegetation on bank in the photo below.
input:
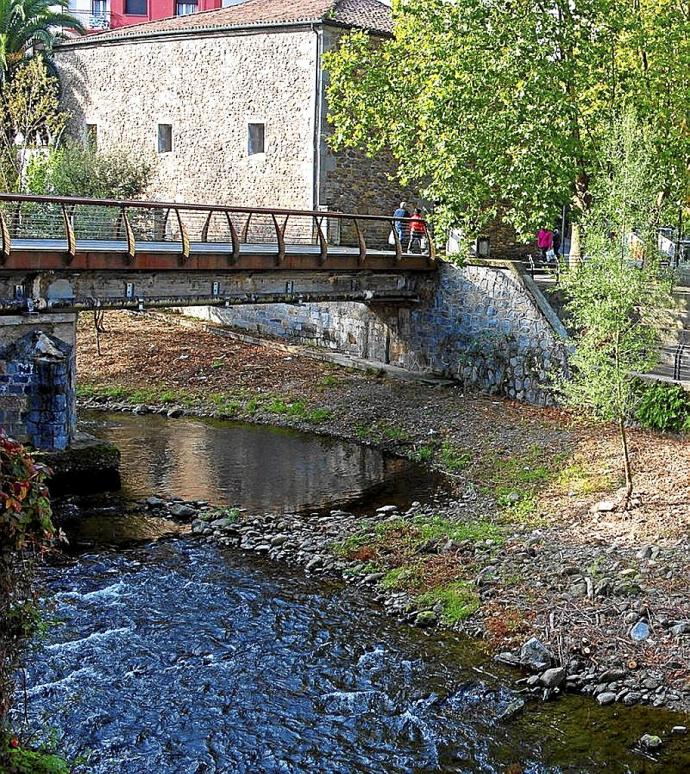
(234, 404)
(26, 533)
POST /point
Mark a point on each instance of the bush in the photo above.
(76, 170)
(25, 532)
(664, 407)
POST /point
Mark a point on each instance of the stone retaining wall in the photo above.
(485, 324)
(37, 378)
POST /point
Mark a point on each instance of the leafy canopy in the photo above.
(26, 25)
(501, 106)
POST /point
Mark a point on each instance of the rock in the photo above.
(631, 698)
(279, 540)
(640, 631)
(515, 706)
(425, 618)
(155, 502)
(173, 413)
(680, 628)
(372, 578)
(552, 678)
(607, 697)
(679, 730)
(644, 553)
(650, 742)
(535, 655)
(386, 510)
(507, 658)
(604, 506)
(182, 511)
(612, 674)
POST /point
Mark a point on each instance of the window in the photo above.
(136, 7)
(99, 8)
(164, 138)
(255, 143)
(91, 136)
(185, 8)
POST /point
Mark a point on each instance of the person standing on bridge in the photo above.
(417, 230)
(544, 242)
(400, 227)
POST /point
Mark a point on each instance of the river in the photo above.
(175, 655)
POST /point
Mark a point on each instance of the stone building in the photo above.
(229, 105)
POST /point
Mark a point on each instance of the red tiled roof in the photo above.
(369, 15)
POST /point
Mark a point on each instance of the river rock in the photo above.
(607, 697)
(535, 655)
(552, 678)
(386, 510)
(174, 413)
(680, 628)
(182, 511)
(155, 502)
(679, 730)
(425, 618)
(650, 742)
(640, 631)
(515, 706)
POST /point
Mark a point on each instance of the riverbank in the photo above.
(529, 543)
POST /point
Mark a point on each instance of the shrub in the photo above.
(76, 170)
(664, 407)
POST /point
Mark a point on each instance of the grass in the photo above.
(581, 478)
(454, 459)
(423, 454)
(458, 601)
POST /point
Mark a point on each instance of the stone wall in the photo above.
(485, 324)
(208, 88)
(37, 380)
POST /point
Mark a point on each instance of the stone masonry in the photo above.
(37, 378)
(485, 324)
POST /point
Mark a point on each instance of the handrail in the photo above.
(143, 204)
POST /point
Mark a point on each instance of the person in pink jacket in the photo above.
(544, 242)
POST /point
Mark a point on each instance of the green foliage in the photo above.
(423, 454)
(25, 516)
(76, 170)
(30, 25)
(502, 108)
(454, 459)
(458, 601)
(664, 407)
(318, 415)
(26, 530)
(22, 761)
(30, 118)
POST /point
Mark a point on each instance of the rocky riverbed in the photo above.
(530, 543)
(609, 667)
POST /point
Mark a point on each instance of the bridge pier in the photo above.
(37, 379)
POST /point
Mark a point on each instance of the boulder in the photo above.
(650, 742)
(535, 655)
(552, 678)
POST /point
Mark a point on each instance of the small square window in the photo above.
(164, 138)
(91, 136)
(136, 7)
(255, 142)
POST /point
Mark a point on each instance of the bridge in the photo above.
(66, 254)
(62, 255)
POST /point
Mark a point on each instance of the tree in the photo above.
(30, 119)
(617, 296)
(77, 170)
(500, 107)
(28, 25)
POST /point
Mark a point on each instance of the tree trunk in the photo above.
(626, 464)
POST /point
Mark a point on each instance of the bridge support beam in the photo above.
(37, 379)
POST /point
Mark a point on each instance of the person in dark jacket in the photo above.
(402, 228)
(556, 245)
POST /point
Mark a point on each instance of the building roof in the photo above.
(370, 15)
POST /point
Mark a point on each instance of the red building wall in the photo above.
(155, 9)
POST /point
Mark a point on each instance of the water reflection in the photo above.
(252, 466)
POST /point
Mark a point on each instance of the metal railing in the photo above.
(132, 227)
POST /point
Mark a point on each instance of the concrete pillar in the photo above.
(37, 379)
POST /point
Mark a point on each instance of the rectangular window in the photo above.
(164, 138)
(136, 7)
(91, 136)
(99, 7)
(185, 8)
(255, 142)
